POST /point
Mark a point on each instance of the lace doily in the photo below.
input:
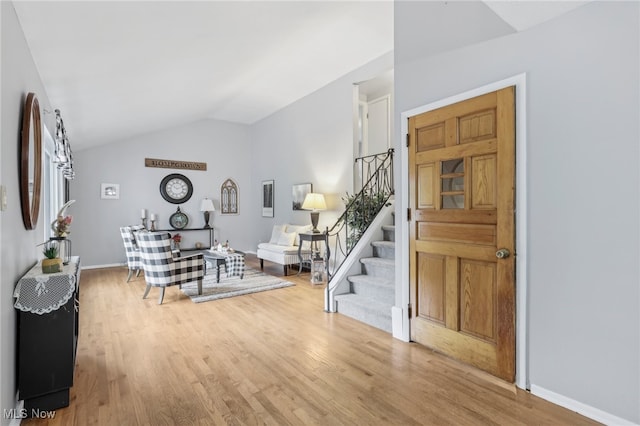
(40, 293)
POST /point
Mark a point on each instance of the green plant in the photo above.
(50, 250)
(361, 209)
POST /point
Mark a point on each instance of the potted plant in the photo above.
(52, 263)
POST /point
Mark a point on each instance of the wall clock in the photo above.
(178, 220)
(176, 188)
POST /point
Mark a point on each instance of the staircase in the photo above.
(372, 292)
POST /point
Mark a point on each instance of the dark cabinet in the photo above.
(48, 308)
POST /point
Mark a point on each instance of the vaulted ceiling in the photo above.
(122, 68)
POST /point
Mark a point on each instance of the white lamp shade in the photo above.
(314, 201)
(207, 206)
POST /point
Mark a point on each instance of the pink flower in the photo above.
(61, 225)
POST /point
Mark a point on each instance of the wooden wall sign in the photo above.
(174, 164)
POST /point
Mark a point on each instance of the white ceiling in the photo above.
(122, 68)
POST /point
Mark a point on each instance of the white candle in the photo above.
(143, 214)
(154, 216)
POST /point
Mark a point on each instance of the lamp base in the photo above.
(314, 222)
(206, 220)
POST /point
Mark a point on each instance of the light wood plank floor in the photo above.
(272, 358)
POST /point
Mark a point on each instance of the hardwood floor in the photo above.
(273, 358)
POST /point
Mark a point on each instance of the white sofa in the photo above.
(282, 248)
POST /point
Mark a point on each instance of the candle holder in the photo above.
(144, 222)
(153, 225)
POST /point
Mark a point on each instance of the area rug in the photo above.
(254, 281)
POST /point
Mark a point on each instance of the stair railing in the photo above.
(360, 210)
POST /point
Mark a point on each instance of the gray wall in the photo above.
(583, 195)
(309, 141)
(223, 146)
(18, 250)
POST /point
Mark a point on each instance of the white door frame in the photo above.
(401, 322)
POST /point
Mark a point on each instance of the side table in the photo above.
(313, 238)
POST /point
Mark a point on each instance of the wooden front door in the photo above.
(462, 231)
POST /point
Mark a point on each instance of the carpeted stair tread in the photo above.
(378, 261)
(386, 244)
(371, 279)
(367, 310)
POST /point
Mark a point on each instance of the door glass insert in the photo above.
(452, 183)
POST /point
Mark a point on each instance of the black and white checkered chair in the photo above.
(134, 262)
(161, 269)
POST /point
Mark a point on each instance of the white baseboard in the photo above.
(580, 408)
(109, 265)
(397, 319)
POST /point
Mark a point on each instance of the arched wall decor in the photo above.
(229, 197)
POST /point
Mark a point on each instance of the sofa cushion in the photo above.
(284, 250)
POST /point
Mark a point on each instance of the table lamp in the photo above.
(314, 202)
(206, 206)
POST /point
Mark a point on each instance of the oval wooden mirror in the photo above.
(30, 161)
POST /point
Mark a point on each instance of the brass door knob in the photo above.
(503, 253)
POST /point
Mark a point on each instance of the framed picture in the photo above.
(110, 191)
(267, 198)
(298, 192)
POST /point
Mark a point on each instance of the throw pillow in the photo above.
(298, 229)
(275, 233)
(286, 239)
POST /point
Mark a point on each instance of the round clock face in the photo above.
(176, 188)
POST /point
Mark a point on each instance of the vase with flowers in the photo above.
(62, 223)
(176, 241)
(61, 226)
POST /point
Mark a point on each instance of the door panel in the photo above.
(478, 299)
(461, 182)
(484, 182)
(426, 190)
(432, 289)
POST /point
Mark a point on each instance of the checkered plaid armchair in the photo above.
(134, 262)
(161, 269)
